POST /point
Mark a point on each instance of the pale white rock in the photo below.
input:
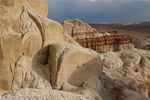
(41, 94)
(145, 58)
(99, 34)
(88, 92)
(73, 64)
(130, 59)
(106, 34)
(132, 73)
(111, 60)
(67, 87)
(31, 74)
(76, 26)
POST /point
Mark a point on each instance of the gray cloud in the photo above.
(100, 10)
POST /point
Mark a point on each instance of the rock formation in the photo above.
(107, 43)
(26, 39)
(10, 44)
(126, 71)
(142, 42)
(76, 26)
(84, 64)
(98, 41)
(35, 59)
(24, 32)
(29, 73)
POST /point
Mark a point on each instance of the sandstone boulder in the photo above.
(53, 32)
(73, 64)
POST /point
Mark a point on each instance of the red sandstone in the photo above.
(95, 43)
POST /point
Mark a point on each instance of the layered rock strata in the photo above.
(108, 43)
(98, 41)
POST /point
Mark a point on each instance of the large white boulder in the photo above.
(73, 64)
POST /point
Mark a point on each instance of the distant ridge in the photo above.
(147, 23)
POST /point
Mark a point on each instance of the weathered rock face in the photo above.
(29, 73)
(10, 44)
(142, 42)
(114, 89)
(125, 75)
(56, 64)
(98, 41)
(23, 31)
(32, 57)
(48, 30)
(73, 64)
(76, 26)
(107, 43)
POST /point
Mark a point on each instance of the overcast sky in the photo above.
(100, 10)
